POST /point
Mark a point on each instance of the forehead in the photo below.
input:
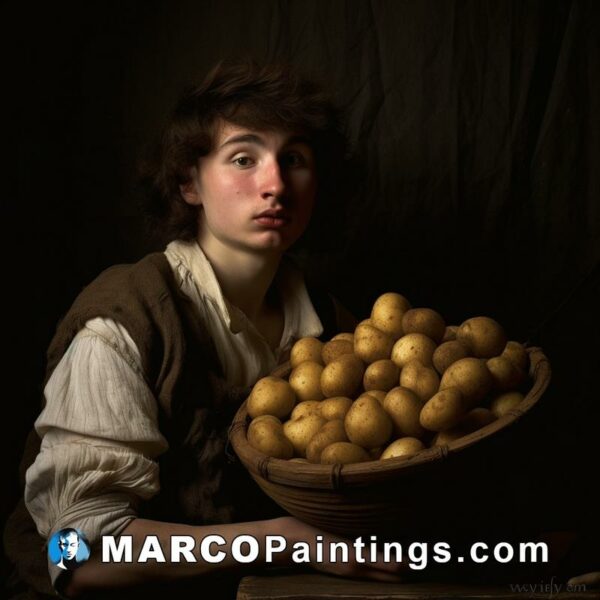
(227, 133)
(70, 537)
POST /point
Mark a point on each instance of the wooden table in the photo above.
(315, 586)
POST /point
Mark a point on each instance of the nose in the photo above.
(273, 183)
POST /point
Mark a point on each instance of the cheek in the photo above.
(307, 195)
(223, 196)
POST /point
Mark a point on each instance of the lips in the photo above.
(272, 218)
(274, 213)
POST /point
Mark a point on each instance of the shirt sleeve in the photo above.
(100, 438)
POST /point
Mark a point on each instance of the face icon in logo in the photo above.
(68, 548)
(68, 545)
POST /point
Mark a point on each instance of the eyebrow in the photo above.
(252, 138)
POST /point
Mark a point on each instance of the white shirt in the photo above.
(100, 437)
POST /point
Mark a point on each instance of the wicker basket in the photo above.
(400, 494)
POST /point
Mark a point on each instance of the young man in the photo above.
(153, 359)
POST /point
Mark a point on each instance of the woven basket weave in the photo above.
(381, 497)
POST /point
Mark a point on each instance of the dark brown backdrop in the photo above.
(479, 124)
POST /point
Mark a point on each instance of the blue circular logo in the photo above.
(68, 548)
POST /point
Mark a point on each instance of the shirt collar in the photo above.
(300, 317)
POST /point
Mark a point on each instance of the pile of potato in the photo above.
(401, 382)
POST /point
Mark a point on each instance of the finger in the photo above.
(378, 575)
(390, 565)
(591, 579)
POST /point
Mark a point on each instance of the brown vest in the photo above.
(201, 479)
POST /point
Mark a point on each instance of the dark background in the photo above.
(479, 126)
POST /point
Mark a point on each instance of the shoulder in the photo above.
(140, 296)
(126, 290)
(150, 276)
(345, 319)
(336, 318)
(124, 286)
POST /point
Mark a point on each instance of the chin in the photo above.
(273, 242)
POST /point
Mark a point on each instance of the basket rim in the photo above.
(316, 476)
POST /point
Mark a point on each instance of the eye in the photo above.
(243, 162)
(293, 159)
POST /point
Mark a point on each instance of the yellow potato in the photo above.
(335, 348)
(301, 431)
(308, 407)
(423, 381)
(404, 407)
(450, 333)
(271, 396)
(305, 380)
(387, 313)
(425, 321)
(484, 336)
(413, 346)
(445, 410)
(331, 432)
(367, 424)
(343, 336)
(381, 375)
(371, 344)
(406, 446)
(342, 377)
(447, 353)
(308, 348)
(517, 354)
(265, 434)
(471, 376)
(379, 394)
(506, 375)
(344, 453)
(267, 418)
(335, 408)
(477, 418)
(503, 404)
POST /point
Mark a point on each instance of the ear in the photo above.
(190, 190)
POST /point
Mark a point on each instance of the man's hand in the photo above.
(297, 531)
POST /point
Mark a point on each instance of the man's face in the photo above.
(247, 174)
(68, 546)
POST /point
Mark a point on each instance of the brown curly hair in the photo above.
(245, 94)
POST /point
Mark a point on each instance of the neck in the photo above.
(244, 277)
